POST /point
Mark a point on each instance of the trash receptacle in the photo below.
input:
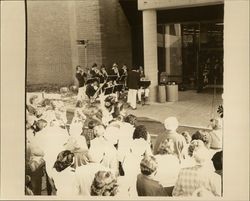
(161, 93)
(172, 92)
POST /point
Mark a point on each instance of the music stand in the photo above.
(108, 90)
(118, 88)
(145, 84)
(91, 80)
(111, 78)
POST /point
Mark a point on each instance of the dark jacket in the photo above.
(81, 79)
(148, 187)
(133, 80)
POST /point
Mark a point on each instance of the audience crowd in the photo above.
(104, 151)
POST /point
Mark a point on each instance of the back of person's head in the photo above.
(33, 98)
(94, 65)
(194, 145)
(39, 125)
(140, 132)
(187, 137)
(216, 123)
(104, 184)
(171, 123)
(79, 104)
(148, 165)
(201, 155)
(91, 124)
(46, 102)
(166, 147)
(217, 160)
(203, 136)
(109, 101)
(99, 130)
(131, 119)
(64, 160)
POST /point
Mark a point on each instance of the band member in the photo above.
(133, 85)
(80, 76)
(92, 88)
(124, 70)
(141, 71)
(142, 90)
(104, 73)
(114, 70)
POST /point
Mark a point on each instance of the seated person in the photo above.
(64, 174)
(146, 183)
(198, 176)
(216, 133)
(89, 133)
(91, 88)
(104, 184)
(32, 108)
(217, 162)
(143, 91)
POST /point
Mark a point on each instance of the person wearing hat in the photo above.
(171, 124)
(147, 184)
(198, 176)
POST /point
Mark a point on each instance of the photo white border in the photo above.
(236, 102)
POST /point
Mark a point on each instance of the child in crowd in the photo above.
(89, 133)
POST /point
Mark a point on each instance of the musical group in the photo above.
(98, 83)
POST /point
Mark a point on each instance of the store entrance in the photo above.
(202, 54)
(192, 53)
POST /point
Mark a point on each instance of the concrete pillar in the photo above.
(150, 50)
(73, 36)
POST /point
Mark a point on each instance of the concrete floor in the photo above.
(192, 109)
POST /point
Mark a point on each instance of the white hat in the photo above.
(171, 123)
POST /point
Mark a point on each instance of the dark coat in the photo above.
(81, 79)
(133, 80)
(148, 187)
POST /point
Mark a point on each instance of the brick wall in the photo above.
(49, 46)
(115, 34)
(54, 27)
(88, 28)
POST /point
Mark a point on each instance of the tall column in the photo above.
(150, 50)
(73, 36)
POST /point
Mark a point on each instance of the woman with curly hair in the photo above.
(104, 184)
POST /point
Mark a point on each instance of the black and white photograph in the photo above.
(126, 99)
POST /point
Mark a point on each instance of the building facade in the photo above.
(54, 28)
(181, 39)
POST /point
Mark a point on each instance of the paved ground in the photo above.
(192, 109)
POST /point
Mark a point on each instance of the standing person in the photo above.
(133, 85)
(80, 76)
